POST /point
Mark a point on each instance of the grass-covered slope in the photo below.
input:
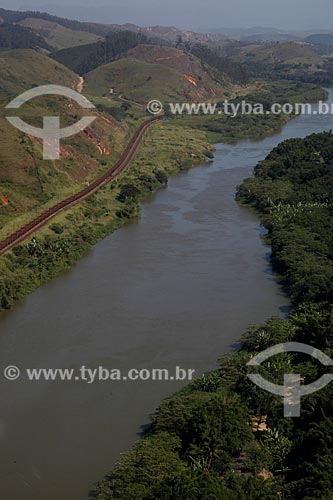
(174, 58)
(127, 61)
(22, 69)
(141, 81)
(58, 36)
(134, 80)
(26, 180)
(154, 72)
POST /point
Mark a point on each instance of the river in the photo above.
(178, 288)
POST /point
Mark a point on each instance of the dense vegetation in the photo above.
(205, 442)
(225, 65)
(231, 129)
(306, 62)
(321, 74)
(323, 42)
(293, 189)
(17, 37)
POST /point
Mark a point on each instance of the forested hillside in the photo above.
(19, 37)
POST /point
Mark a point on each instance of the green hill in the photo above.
(155, 72)
(26, 180)
(22, 69)
(278, 53)
(274, 60)
(58, 36)
(176, 59)
(142, 81)
(135, 80)
(323, 43)
(320, 39)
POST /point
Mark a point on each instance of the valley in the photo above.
(193, 241)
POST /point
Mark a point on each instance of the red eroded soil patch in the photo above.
(5, 200)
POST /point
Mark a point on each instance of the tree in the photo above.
(128, 192)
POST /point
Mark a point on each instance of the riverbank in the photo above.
(170, 147)
(65, 240)
(166, 291)
(170, 290)
(221, 436)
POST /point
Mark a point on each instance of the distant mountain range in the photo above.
(259, 33)
(60, 32)
(46, 24)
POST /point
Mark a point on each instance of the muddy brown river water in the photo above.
(177, 288)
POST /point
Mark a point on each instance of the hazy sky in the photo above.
(286, 14)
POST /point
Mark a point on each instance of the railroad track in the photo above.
(121, 164)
